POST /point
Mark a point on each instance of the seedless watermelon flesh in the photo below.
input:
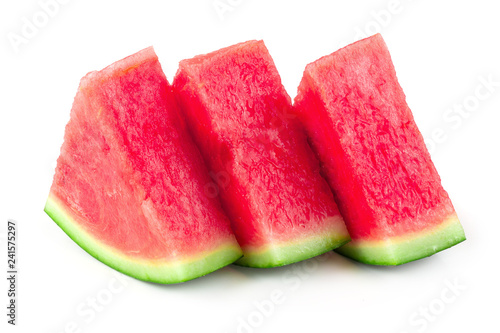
(129, 182)
(374, 157)
(281, 209)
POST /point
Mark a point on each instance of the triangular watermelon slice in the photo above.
(280, 207)
(129, 183)
(374, 157)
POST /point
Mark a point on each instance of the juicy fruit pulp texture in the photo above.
(129, 182)
(281, 209)
(374, 157)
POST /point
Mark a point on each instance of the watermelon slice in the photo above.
(374, 157)
(281, 209)
(129, 182)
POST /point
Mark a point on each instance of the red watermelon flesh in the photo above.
(281, 209)
(374, 157)
(129, 182)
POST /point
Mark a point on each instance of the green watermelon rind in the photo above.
(146, 270)
(402, 249)
(291, 252)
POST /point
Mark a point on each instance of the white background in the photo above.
(443, 53)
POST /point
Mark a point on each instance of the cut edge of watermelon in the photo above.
(402, 249)
(290, 252)
(156, 271)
